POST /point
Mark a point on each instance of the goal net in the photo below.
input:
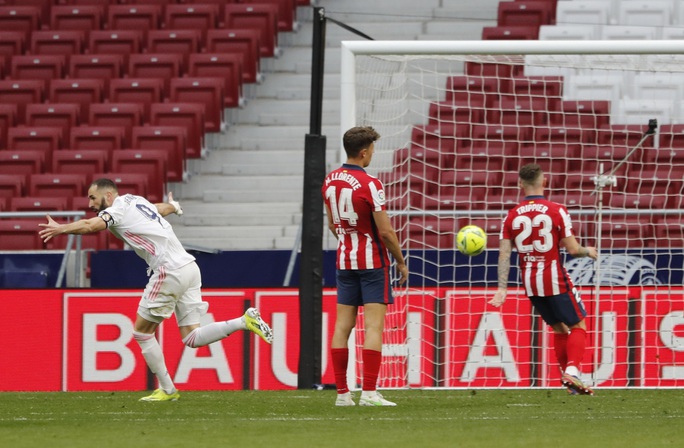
(457, 121)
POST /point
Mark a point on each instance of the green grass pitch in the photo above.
(281, 419)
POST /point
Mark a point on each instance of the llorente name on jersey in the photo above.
(345, 177)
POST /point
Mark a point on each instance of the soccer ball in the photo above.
(471, 240)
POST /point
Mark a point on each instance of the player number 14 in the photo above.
(343, 207)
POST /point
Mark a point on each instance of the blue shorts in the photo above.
(358, 287)
(567, 308)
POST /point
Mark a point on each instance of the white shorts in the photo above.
(170, 291)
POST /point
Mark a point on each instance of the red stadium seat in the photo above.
(573, 199)
(655, 179)
(262, 17)
(65, 116)
(549, 88)
(491, 226)
(183, 42)
(156, 65)
(625, 135)
(143, 91)
(167, 138)
(472, 90)
(134, 17)
(96, 66)
(500, 132)
(502, 73)
(20, 234)
(205, 91)
(84, 17)
(669, 232)
(640, 201)
(30, 138)
(21, 93)
(244, 41)
(508, 32)
(82, 92)
(627, 231)
(457, 112)
(107, 138)
(8, 119)
(58, 42)
(11, 43)
(39, 204)
(518, 110)
(198, 16)
(127, 183)
(115, 42)
(224, 65)
(285, 12)
(124, 115)
(441, 136)
(57, 185)
(553, 158)
(490, 157)
(12, 186)
(528, 13)
(76, 161)
(561, 134)
(150, 162)
(38, 67)
(432, 233)
(22, 162)
(24, 19)
(187, 115)
(672, 136)
(588, 115)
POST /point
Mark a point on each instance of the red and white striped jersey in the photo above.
(352, 195)
(536, 226)
(136, 221)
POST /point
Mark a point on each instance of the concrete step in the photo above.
(252, 196)
(200, 208)
(351, 11)
(239, 183)
(241, 243)
(225, 231)
(262, 219)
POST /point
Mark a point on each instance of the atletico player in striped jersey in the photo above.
(539, 228)
(355, 203)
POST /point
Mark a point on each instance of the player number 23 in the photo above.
(343, 208)
(542, 241)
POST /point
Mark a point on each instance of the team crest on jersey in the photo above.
(381, 195)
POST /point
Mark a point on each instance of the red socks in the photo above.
(560, 345)
(371, 367)
(340, 358)
(575, 346)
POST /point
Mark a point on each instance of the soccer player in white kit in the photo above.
(175, 280)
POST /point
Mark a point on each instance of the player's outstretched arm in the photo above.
(503, 270)
(575, 249)
(52, 228)
(171, 206)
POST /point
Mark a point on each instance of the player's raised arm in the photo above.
(53, 228)
(171, 206)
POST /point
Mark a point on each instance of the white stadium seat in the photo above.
(629, 32)
(659, 86)
(645, 12)
(594, 87)
(640, 111)
(595, 12)
(569, 32)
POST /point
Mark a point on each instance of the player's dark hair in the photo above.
(530, 173)
(358, 138)
(105, 183)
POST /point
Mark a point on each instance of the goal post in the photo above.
(457, 119)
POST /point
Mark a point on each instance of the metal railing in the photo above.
(71, 216)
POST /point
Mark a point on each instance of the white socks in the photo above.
(572, 370)
(152, 352)
(205, 335)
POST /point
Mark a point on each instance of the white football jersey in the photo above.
(136, 221)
